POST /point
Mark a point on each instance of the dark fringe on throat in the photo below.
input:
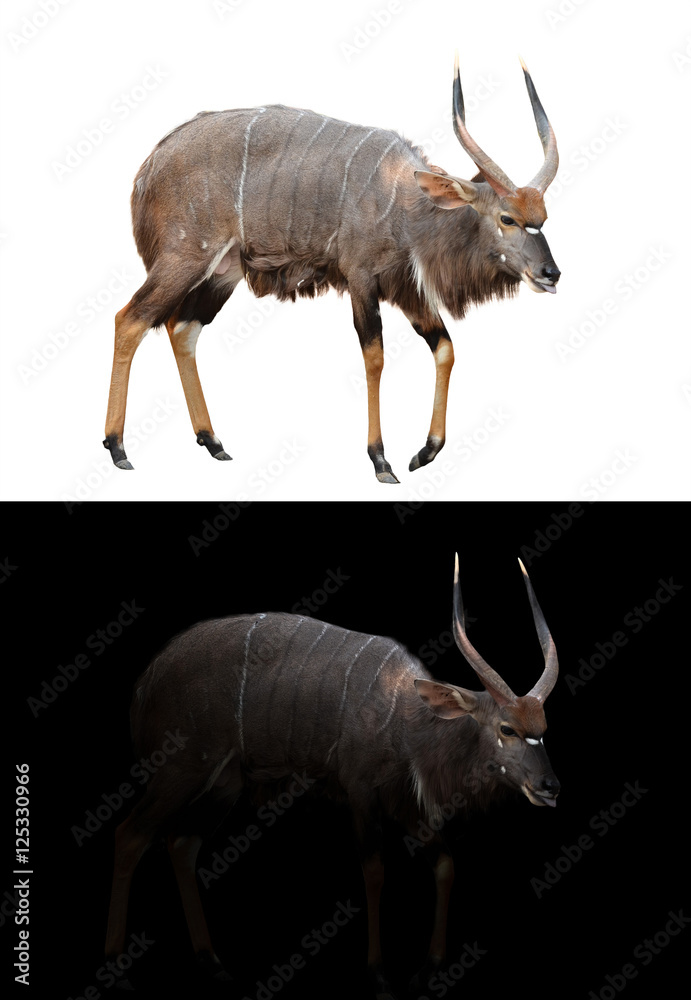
(468, 784)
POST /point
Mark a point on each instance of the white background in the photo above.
(608, 421)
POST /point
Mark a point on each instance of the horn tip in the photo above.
(523, 65)
(524, 571)
(455, 569)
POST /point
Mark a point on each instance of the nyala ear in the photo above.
(446, 700)
(446, 191)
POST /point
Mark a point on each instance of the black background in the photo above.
(628, 723)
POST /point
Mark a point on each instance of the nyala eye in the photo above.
(507, 220)
(507, 731)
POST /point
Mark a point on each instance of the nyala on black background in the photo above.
(586, 899)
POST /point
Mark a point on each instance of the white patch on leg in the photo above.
(187, 335)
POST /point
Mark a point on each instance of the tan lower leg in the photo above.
(129, 848)
(374, 363)
(373, 871)
(128, 336)
(184, 344)
(443, 877)
(183, 854)
(443, 360)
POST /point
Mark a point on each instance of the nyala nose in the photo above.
(550, 785)
(552, 272)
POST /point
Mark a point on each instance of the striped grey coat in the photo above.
(306, 197)
(274, 694)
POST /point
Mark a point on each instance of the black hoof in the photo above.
(209, 964)
(425, 455)
(387, 477)
(380, 985)
(382, 469)
(213, 445)
(117, 452)
(419, 985)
